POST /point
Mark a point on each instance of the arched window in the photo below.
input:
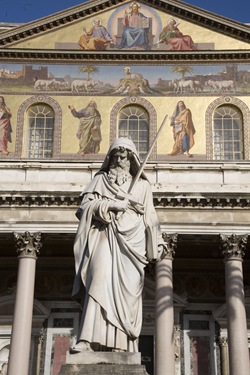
(133, 122)
(39, 131)
(228, 133)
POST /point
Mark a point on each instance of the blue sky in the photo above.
(22, 11)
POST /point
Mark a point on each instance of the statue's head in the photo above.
(122, 151)
(119, 165)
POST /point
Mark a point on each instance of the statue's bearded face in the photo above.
(119, 167)
(119, 159)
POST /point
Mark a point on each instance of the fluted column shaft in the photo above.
(164, 340)
(28, 246)
(233, 250)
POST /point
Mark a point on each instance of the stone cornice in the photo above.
(161, 200)
(127, 56)
(37, 199)
(175, 8)
(204, 200)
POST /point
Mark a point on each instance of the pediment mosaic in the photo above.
(130, 25)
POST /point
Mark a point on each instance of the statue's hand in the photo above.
(119, 206)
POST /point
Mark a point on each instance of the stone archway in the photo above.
(39, 99)
(152, 118)
(227, 100)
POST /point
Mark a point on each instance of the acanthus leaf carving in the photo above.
(28, 244)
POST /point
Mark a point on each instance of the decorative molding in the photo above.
(233, 246)
(28, 244)
(46, 56)
(163, 200)
(184, 11)
(207, 200)
(35, 199)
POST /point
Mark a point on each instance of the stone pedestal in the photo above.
(105, 363)
(104, 358)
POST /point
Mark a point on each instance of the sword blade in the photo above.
(134, 181)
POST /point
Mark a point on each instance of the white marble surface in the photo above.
(103, 357)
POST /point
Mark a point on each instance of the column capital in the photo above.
(233, 246)
(39, 337)
(170, 244)
(28, 244)
(223, 341)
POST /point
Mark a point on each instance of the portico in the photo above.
(188, 318)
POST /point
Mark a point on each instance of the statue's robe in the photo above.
(111, 251)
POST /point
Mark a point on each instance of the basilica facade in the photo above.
(140, 67)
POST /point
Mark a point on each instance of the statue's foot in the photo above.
(81, 346)
(118, 350)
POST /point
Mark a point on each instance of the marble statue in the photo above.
(118, 235)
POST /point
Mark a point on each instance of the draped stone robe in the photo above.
(111, 251)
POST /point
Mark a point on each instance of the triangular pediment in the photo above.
(220, 313)
(7, 304)
(149, 294)
(165, 26)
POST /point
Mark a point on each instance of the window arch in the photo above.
(228, 133)
(223, 111)
(35, 130)
(133, 122)
(146, 114)
(39, 131)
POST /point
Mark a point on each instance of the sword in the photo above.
(140, 170)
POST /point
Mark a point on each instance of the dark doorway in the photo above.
(146, 347)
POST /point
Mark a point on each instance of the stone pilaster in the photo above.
(164, 341)
(28, 246)
(38, 341)
(233, 247)
(223, 342)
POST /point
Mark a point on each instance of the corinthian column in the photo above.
(164, 340)
(224, 356)
(233, 247)
(28, 246)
